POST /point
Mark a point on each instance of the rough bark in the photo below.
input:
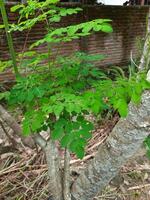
(145, 58)
(144, 63)
(66, 176)
(124, 141)
(54, 171)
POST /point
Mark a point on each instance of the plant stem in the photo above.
(9, 38)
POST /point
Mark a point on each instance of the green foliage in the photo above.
(5, 64)
(69, 33)
(33, 121)
(58, 95)
(4, 95)
(73, 88)
(2, 26)
(58, 99)
(123, 90)
(35, 12)
(73, 134)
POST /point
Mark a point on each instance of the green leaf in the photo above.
(135, 98)
(2, 26)
(72, 30)
(47, 108)
(79, 152)
(87, 28)
(147, 142)
(68, 127)
(88, 126)
(96, 106)
(107, 28)
(29, 96)
(71, 11)
(4, 95)
(122, 107)
(37, 119)
(79, 85)
(57, 109)
(26, 127)
(57, 133)
(63, 12)
(145, 84)
(66, 140)
(81, 142)
(35, 125)
(97, 28)
(61, 122)
(70, 107)
(86, 134)
(16, 7)
(55, 18)
(73, 146)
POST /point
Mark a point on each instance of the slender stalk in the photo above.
(48, 44)
(9, 38)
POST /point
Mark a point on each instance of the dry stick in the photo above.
(83, 160)
(48, 44)
(103, 138)
(24, 46)
(11, 122)
(66, 177)
(139, 187)
(11, 139)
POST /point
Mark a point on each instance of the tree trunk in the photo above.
(124, 141)
(66, 176)
(145, 58)
(54, 171)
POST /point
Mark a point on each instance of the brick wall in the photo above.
(129, 23)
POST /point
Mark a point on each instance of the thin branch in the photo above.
(11, 122)
(11, 139)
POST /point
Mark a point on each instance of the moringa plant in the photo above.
(58, 94)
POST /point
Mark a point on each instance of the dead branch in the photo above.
(11, 122)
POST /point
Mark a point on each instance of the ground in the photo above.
(23, 174)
